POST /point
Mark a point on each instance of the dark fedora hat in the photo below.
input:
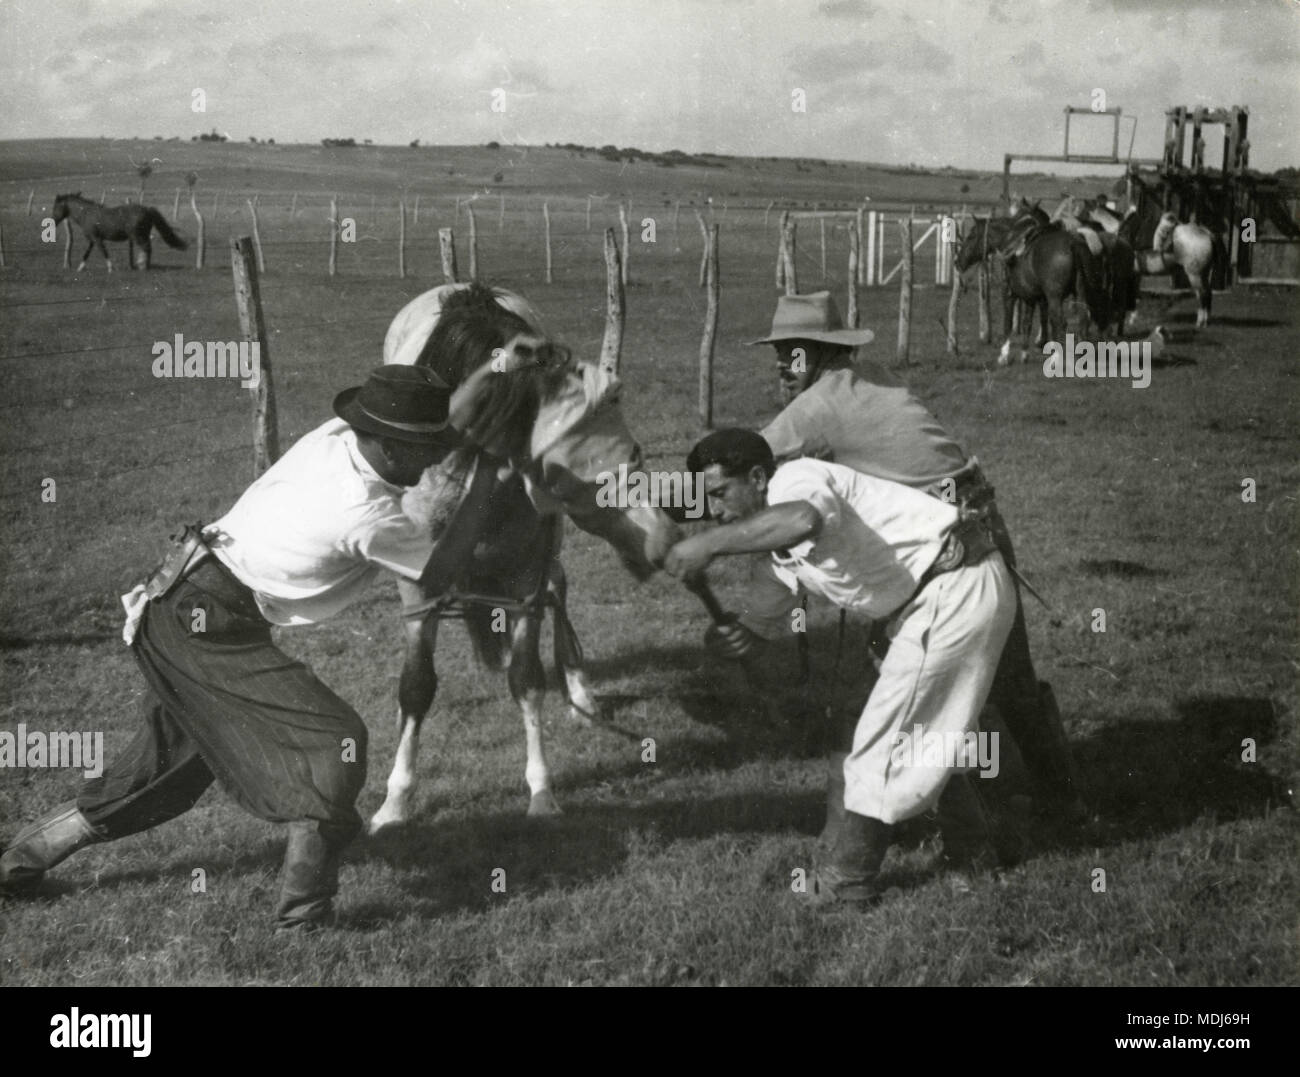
(408, 403)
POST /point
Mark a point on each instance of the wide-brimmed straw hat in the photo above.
(812, 317)
(407, 403)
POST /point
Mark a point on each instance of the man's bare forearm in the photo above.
(773, 528)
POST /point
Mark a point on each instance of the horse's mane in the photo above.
(472, 329)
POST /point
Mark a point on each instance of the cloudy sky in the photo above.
(927, 81)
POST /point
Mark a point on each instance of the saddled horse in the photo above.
(526, 408)
(1099, 228)
(1166, 243)
(133, 223)
(1044, 264)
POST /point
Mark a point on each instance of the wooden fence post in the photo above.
(709, 340)
(949, 226)
(905, 293)
(415, 213)
(767, 211)
(257, 238)
(176, 204)
(780, 251)
(447, 246)
(855, 264)
(788, 233)
(677, 239)
(704, 254)
(986, 333)
(334, 235)
(473, 243)
(546, 223)
(822, 222)
(588, 213)
(248, 298)
(30, 196)
(611, 347)
(67, 241)
(2, 245)
(862, 276)
(627, 246)
(200, 243)
(401, 238)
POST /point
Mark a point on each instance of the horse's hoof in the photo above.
(586, 716)
(543, 805)
(384, 818)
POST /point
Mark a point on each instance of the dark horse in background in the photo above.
(1044, 265)
(132, 223)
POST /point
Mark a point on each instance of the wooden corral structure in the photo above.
(1225, 198)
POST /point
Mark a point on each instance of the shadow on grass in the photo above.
(451, 864)
(1149, 778)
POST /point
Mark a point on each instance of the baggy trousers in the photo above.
(226, 703)
(944, 646)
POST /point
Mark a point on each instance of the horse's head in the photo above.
(974, 245)
(1164, 231)
(523, 398)
(61, 206)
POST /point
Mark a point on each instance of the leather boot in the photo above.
(852, 874)
(39, 846)
(311, 879)
(969, 841)
(834, 800)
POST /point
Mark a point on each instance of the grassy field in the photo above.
(679, 871)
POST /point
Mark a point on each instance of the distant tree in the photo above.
(270, 142)
(965, 189)
(494, 145)
(415, 143)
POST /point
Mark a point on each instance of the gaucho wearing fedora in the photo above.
(861, 416)
(223, 701)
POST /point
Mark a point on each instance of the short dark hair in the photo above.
(735, 450)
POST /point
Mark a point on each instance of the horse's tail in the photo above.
(489, 646)
(164, 229)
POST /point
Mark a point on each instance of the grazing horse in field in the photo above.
(1192, 246)
(132, 223)
(1044, 264)
(522, 400)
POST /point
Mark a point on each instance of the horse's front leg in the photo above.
(416, 690)
(569, 659)
(90, 246)
(528, 687)
(1010, 307)
(108, 262)
(146, 253)
(1204, 296)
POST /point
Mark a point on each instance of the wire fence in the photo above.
(89, 436)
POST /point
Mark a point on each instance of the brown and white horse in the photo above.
(1193, 247)
(543, 430)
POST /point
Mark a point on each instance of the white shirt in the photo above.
(877, 537)
(310, 535)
